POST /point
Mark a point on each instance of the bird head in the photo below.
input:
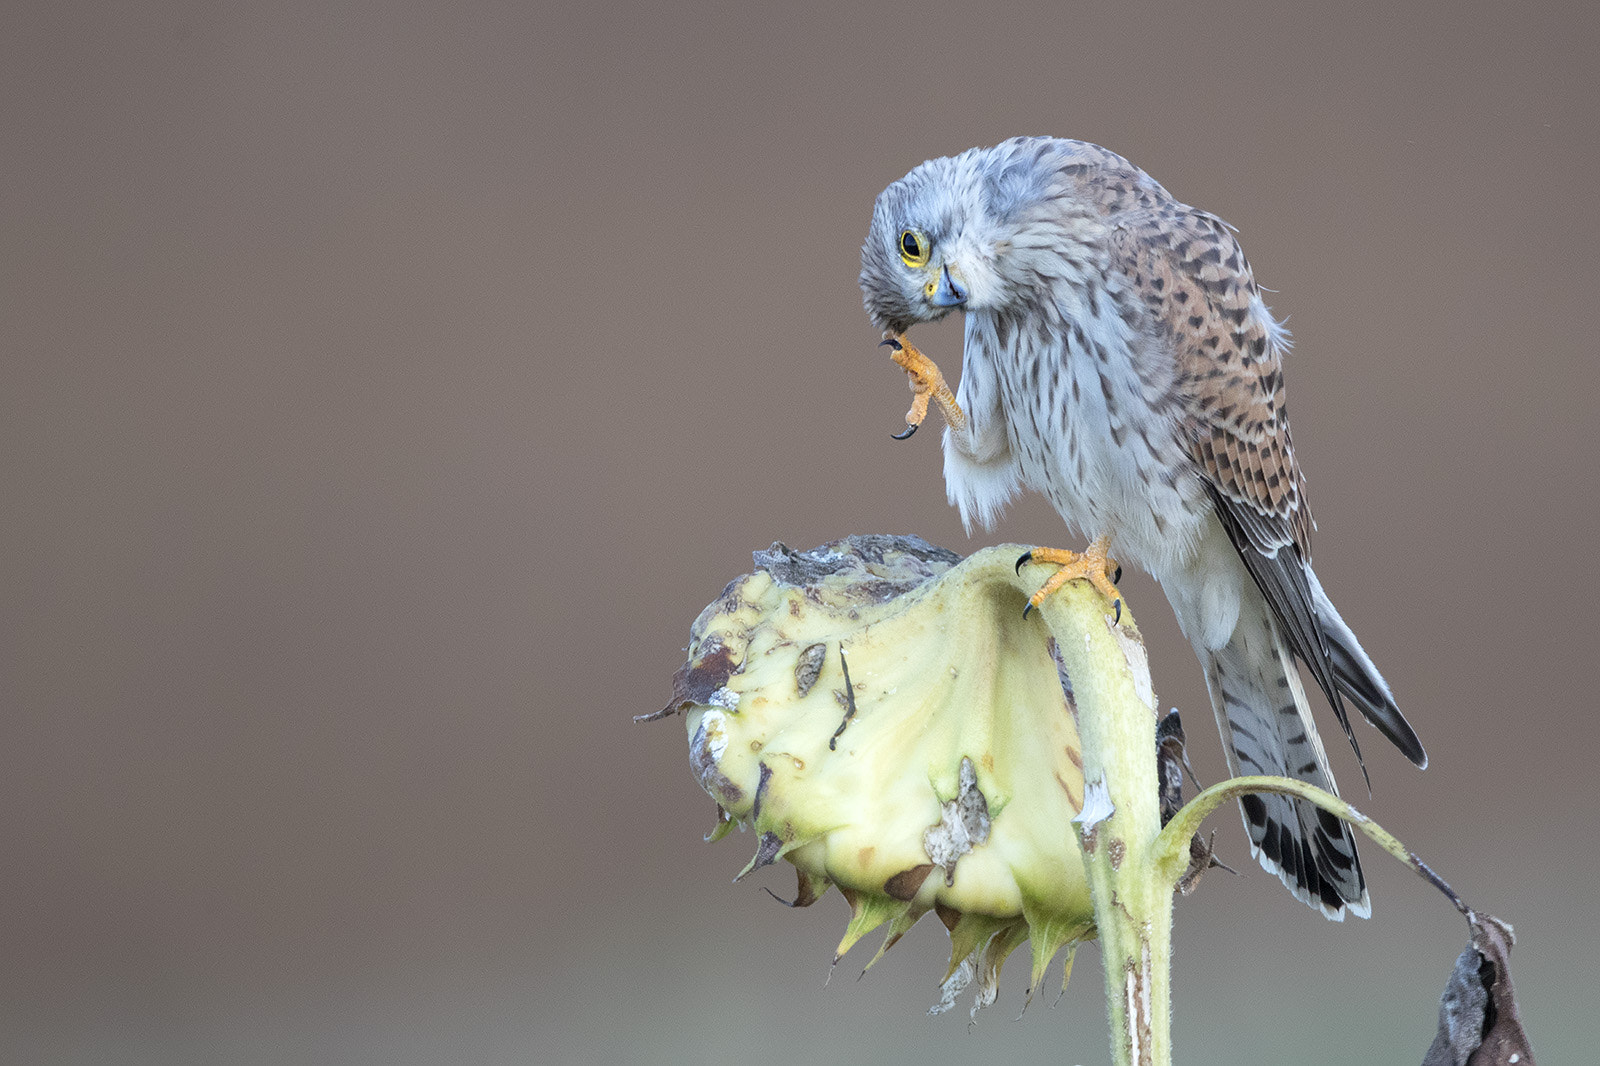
(931, 248)
(991, 229)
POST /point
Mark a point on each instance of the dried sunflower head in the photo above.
(887, 721)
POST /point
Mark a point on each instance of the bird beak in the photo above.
(947, 291)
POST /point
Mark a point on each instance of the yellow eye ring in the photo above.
(915, 248)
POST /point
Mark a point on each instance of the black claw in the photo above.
(1026, 609)
(1116, 577)
(1027, 557)
(911, 427)
(890, 343)
(1116, 605)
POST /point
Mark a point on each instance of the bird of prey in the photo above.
(1120, 360)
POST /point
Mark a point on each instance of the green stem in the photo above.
(1171, 851)
(1132, 898)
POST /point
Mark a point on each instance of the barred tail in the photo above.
(1266, 726)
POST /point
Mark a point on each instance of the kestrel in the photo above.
(1119, 359)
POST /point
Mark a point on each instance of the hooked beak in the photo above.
(947, 291)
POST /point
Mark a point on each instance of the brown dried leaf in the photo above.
(1479, 1024)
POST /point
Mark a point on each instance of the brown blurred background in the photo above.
(387, 387)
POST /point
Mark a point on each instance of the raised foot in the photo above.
(1092, 565)
(927, 383)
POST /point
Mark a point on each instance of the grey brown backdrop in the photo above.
(388, 386)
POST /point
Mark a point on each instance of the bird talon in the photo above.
(911, 427)
(927, 386)
(1091, 565)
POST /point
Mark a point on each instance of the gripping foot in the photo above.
(1091, 565)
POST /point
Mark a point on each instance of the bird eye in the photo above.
(914, 248)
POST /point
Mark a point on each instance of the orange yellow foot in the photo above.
(1092, 565)
(927, 383)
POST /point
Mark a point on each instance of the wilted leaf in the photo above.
(1478, 1020)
